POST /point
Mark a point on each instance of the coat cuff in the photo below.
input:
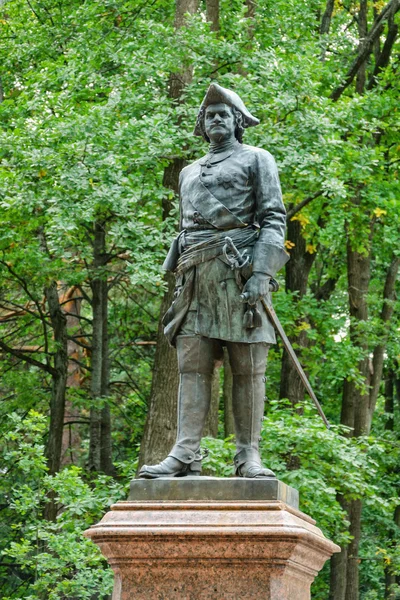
(268, 258)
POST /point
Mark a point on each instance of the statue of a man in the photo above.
(233, 192)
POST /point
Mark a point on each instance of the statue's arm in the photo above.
(269, 251)
(171, 260)
(180, 201)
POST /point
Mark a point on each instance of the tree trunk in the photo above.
(392, 581)
(389, 297)
(296, 279)
(160, 426)
(338, 563)
(59, 382)
(382, 57)
(352, 583)
(326, 25)
(358, 403)
(106, 463)
(344, 566)
(212, 12)
(250, 8)
(326, 17)
(338, 579)
(58, 390)
(358, 276)
(389, 400)
(71, 438)
(362, 34)
(100, 425)
(355, 413)
(183, 8)
(229, 423)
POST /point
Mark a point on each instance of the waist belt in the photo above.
(201, 246)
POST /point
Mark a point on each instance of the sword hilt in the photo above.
(233, 256)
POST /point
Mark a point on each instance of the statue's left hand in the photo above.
(256, 288)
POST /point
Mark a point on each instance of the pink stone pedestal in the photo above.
(191, 547)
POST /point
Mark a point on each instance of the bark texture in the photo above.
(59, 379)
(212, 12)
(382, 57)
(160, 426)
(58, 390)
(389, 296)
(358, 403)
(71, 441)
(296, 279)
(100, 457)
(389, 400)
(355, 414)
(327, 17)
(362, 34)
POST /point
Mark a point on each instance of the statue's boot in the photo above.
(248, 363)
(195, 364)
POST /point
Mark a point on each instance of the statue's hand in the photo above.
(256, 288)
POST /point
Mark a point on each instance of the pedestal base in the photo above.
(191, 547)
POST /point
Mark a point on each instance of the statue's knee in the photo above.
(248, 359)
(195, 355)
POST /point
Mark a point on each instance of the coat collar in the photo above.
(213, 158)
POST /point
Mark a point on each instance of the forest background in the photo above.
(98, 102)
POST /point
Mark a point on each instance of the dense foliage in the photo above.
(88, 129)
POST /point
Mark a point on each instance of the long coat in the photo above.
(226, 191)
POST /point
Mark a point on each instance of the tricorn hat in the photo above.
(217, 94)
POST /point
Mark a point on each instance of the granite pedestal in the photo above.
(198, 538)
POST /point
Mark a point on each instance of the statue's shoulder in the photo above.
(260, 159)
(192, 166)
(258, 153)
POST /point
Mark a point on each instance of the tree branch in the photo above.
(365, 48)
(24, 286)
(293, 211)
(384, 56)
(79, 363)
(28, 359)
(326, 17)
(80, 317)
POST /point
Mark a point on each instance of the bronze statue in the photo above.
(232, 192)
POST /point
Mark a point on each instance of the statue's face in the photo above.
(219, 122)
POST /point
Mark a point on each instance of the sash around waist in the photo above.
(203, 245)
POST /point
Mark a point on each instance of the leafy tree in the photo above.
(97, 106)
